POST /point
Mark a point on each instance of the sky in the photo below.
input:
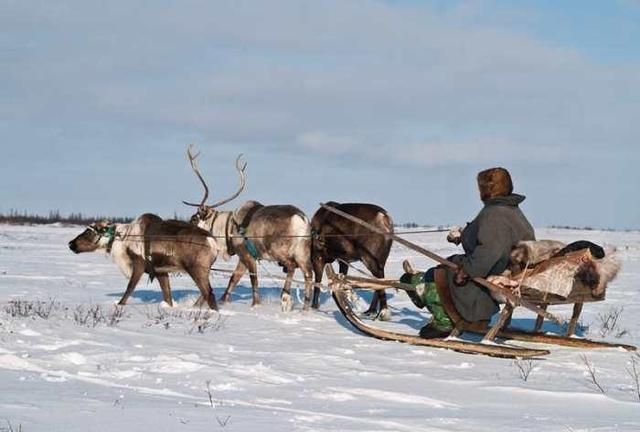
(398, 103)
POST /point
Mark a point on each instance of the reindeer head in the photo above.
(202, 215)
(95, 236)
(206, 214)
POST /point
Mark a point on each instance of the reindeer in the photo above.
(156, 247)
(276, 233)
(337, 238)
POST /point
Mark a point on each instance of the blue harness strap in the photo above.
(248, 244)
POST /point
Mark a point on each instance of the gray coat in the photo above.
(487, 243)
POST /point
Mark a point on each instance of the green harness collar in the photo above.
(109, 232)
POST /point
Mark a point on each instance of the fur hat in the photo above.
(494, 182)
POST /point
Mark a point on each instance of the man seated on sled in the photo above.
(487, 243)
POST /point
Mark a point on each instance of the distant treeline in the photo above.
(411, 225)
(569, 227)
(407, 225)
(54, 216)
(588, 228)
(22, 217)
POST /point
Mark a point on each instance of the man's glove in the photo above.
(455, 235)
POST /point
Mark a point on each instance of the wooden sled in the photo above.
(529, 298)
(341, 285)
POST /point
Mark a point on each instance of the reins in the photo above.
(228, 237)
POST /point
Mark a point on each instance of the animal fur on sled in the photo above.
(606, 270)
(531, 253)
(553, 268)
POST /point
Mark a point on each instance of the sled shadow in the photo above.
(344, 323)
(415, 320)
(324, 298)
(240, 293)
(412, 318)
(243, 293)
(547, 327)
(155, 296)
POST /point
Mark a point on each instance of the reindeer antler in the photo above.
(194, 167)
(243, 181)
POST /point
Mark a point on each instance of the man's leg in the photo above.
(426, 295)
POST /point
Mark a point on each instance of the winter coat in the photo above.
(487, 243)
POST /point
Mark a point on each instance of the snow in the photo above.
(247, 369)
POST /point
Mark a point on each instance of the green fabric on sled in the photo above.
(426, 295)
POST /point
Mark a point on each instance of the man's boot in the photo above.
(440, 324)
(426, 295)
(417, 281)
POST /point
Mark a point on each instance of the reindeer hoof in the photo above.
(384, 315)
(286, 303)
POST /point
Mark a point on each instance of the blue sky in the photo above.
(394, 102)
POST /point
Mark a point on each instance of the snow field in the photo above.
(82, 367)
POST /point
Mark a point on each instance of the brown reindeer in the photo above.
(156, 247)
(276, 233)
(337, 238)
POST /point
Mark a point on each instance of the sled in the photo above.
(530, 298)
(341, 285)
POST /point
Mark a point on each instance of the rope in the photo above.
(348, 264)
(133, 237)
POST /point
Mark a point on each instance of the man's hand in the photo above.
(460, 278)
(455, 235)
(504, 282)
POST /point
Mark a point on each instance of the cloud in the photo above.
(361, 82)
(363, 72)
(327, 144)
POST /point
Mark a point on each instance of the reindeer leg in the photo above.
(373, 307)
(378, 307)
(201, 278)
(383, 314)
(198, 303)
(308, 287)
(233, 281)
(253, 269)
(285, 297)
(163, 279)
(383, 311)
(318, 268)
(137, 271)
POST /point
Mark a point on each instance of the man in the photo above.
(487, 242)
